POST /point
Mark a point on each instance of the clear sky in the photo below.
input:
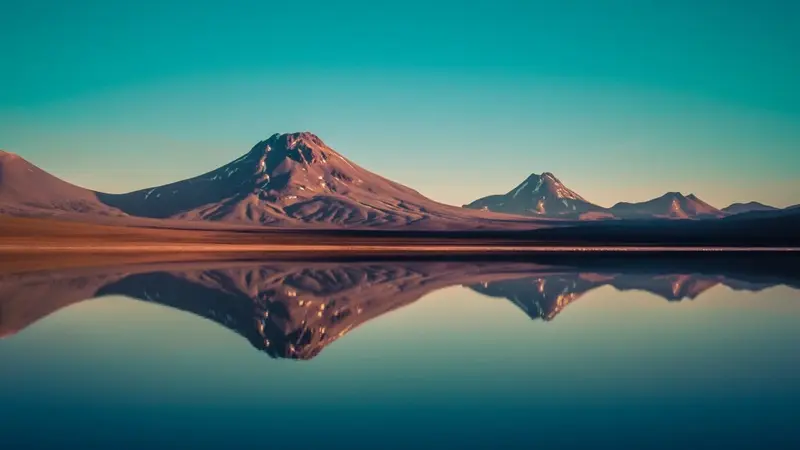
(622, 100)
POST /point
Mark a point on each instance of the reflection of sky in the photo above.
(454, 360)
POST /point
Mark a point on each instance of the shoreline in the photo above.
(312, 248)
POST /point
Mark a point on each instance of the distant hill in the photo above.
(738, 208)
(672, 205)
(28, 190)
(541, 195)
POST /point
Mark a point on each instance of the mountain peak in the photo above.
(538, 195)
(301, 146)
(544, 176)
(295, 138)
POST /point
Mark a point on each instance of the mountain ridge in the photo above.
(672, 205)
(739, 208)
(295, 180)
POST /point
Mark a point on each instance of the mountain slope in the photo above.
(672, 205)
(540, 195)
(738, 208)
(28, 190)
(295, 179)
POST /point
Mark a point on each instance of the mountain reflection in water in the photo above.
(295, 309)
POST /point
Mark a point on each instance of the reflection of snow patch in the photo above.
(146, 195)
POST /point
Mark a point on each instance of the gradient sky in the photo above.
(622, 100)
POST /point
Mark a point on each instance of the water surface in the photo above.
(394, 354)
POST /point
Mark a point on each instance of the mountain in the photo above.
(292, 180)
(672, 205)
(738, 208)
(540, 195)
(28, 190)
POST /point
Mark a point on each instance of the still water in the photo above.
(399, 354)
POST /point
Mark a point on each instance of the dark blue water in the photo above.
(401, 355)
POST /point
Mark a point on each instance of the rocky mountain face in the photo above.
(738, 208)
(672, 205)
(541, 195)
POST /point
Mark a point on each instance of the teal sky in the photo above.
(622, 100)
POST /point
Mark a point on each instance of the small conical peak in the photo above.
(538, 186)
(543, 176)
(692, 197)
(672, 195)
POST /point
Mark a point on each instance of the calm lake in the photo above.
(400, 354)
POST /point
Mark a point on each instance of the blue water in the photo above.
(455, 368)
